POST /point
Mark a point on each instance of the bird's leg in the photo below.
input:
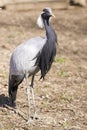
(34, 105)
(28, 96)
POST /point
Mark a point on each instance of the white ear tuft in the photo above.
(40, 22)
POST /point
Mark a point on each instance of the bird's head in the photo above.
(45, 15)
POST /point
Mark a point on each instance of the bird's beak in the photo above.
(53, 15)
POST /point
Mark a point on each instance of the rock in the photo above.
(78, 2)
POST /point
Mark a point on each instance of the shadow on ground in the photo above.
(4, 100)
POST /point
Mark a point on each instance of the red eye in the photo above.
(45, 10)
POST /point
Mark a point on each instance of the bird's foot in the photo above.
(35, 116)
(30, 121)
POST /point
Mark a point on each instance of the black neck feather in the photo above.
(49, 50)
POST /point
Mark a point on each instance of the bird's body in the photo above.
(36, 54)
(25, 55)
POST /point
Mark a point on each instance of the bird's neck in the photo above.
(49, 30)
(49, 50)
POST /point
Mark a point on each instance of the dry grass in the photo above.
(62, 98)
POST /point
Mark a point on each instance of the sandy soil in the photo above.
(61, 99)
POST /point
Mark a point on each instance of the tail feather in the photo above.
(14, 81)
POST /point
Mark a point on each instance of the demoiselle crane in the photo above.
(36, 54)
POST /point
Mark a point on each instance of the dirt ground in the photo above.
(61, 99)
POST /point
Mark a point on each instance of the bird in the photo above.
(30, 57)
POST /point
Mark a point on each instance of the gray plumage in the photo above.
(37, 54)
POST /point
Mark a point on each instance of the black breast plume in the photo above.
(47, 55)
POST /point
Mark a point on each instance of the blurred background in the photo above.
(62, 98)
(11, 3)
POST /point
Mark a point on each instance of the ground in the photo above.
(61, 99)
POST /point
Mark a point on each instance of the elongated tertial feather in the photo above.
(40, 22)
